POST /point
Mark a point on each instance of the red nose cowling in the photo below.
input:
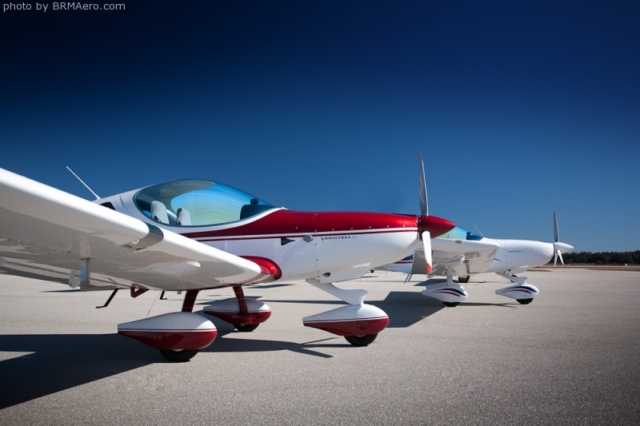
(435, 225)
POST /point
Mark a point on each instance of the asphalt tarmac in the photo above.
(570, 357)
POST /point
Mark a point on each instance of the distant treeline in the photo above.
(603, 258)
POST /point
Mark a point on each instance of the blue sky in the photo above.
(519, 108)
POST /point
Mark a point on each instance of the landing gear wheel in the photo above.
(245, 327)
(178, 355)
(363, 340)
(524, 301)
(464, 280)
(450, 304)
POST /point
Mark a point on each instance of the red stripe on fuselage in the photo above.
(317, 234)
(289, 223)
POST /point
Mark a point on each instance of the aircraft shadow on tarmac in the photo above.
(434, 282)
(404, 308)
(235, 344)
(56, 362)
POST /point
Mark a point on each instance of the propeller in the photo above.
(426, 225)
(556, 238)
(558, 247)
(422, 190)
(424, 213)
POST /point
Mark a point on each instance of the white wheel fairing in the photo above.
(519, 291)
(229, 311)
(448, 294)
(352, 320)
(170, 321)
(231, 305)
(174, 331)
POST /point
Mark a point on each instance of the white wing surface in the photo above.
(478, 255)
(50, 234)
(470, 257)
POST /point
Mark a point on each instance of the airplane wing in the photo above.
(475, 256)
(50, 234)
(471, 256)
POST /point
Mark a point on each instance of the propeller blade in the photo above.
(557, 245)
(424, 211)
(557, 254)
(424, 204)
(426, 243)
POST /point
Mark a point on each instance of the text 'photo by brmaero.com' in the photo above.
(61, 7)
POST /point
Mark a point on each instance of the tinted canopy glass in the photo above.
(192, 202)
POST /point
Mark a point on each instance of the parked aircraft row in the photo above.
(463, 253)
(190, 235)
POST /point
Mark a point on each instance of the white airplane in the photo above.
(192, 235)
(464, 253)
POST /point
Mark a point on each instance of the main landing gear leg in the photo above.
(524, 293)
(242, 305)
(189, 300)
(358, 322)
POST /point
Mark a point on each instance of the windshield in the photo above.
(459, 233)
(197, 203)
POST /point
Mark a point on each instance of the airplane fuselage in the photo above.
(305, 244)
(517, 256)
(330, 246)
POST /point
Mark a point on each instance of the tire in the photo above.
(465, 279)
(364, 340)
(178, 355)
(244, 328)
(524, 301)
(450, 304)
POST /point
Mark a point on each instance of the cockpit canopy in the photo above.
(192, 202)
(459, 233)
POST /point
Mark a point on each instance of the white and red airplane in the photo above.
(463, 253)
(192, 235)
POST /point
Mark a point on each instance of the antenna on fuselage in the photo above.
(477, 229)
(82, 182)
